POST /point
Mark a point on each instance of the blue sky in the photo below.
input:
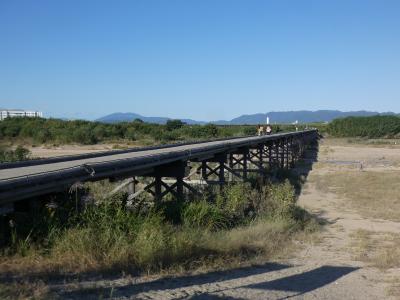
(201, 59)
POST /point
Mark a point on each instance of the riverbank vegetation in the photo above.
(36, 131)
(245, 220)
(366, 127)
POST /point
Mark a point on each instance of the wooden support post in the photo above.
(204, 170)
(221, 175)
(270, 156)
(231, 167)
(157, 189)
(256, 158)
(292, 152)
(179, 187)
(287, 153)
(260, 157)
(245, 166)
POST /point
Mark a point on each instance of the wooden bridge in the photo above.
(216, 162)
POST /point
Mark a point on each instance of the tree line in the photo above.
(368, 127)
(40, 130)
(56, 131)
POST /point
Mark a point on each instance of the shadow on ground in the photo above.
(305, 282)
(290, 286)
(167, 283)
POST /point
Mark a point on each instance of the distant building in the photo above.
(11, 113)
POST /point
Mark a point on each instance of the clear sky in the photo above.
(201, 59)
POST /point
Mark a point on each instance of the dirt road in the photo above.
(330, 269)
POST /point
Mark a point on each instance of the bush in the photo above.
(151, 244)
(19, 154)
(130, 134)
(236, 200)
(249, 130)
(84, 136)
(211, 130)
(277, 200)
(202, 214)
(173, 125)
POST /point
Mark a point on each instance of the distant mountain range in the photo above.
(128, 117)
(281, 117)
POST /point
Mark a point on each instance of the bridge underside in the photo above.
(180, 177)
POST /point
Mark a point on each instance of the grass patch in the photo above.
(363, 142)
(369, 192)
(381, 250)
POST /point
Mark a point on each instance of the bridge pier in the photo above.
(218, 170)
(238, 162)
(160, 188)
(256, 158)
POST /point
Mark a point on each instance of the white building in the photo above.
(11, 113)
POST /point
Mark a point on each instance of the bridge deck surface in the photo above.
(43, 168)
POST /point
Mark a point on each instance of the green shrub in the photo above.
(277, 200)
(130, 134)
(151, 244)
(173, 125)
(210, 130)
(19, 154)
(250, 130)
(203, 214)
(236, 200)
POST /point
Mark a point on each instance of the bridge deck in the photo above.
(50, 167)
(48, 175)
(43, 168)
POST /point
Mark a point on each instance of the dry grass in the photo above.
(371, 192)
(163, 249)
(363, 142)
(394, 287)
(381, 250)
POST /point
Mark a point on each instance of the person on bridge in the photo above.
(268, 130)
(260, 130)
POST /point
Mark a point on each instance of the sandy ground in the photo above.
(326, 270)
(44, 152)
